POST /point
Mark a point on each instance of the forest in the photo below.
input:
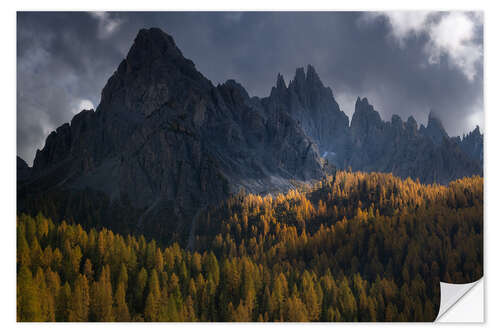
(352, 247)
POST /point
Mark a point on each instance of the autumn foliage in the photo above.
(353, 247)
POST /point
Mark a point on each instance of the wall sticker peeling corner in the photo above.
(461, 303)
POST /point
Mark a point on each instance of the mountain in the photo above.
(23, 170)
(165, 142)
(313, 106)
(472, 145)
(369, 143)
(434, 130)
(427, 154)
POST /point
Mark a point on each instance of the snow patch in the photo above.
(328, 153)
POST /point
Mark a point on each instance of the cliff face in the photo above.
(165, 142)
(314, 108)
(370, 144)
(23, 171)
(472, 145)
(398, 147)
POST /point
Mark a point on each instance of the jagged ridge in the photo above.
(165, 142)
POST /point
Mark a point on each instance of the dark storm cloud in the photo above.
(64, 60)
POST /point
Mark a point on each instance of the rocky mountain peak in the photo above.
(472, 144)
(434, 120)
(155, 50)
(397, 122)
(280, 88)
(154, 72)
(313, 106)
(475, 135)
(364, 115)
(312, 77)
(434, 130)
(280, 82)
(411, 124)
(152, 44)
(300, 78)
(234, 91)
(476, 131)
(361, 103)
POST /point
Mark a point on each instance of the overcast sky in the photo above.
(404, 62)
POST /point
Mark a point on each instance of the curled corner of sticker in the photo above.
(459, 304)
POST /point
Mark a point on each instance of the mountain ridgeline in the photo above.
(165, 142)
